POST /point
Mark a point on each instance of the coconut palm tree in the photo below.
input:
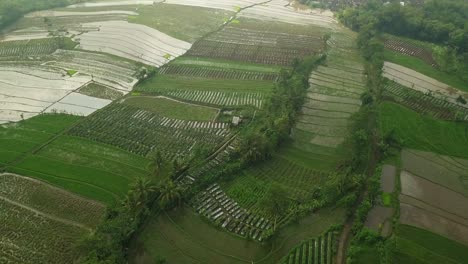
(158, 163)
(169, 194)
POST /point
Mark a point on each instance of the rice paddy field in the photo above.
(421, 132)
(414, 245)
(332, 99)
(90, 93)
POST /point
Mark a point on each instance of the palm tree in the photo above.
(138, 195)
(169, 193)
(158, 163)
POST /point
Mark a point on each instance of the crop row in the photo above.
(411, 50)
(249, 53)
(28, 237)
(214, 204)
(142, 132)
(424, 103)
(219, 98)
(216, 73)
(265, 38)
(24, 48)
(210, 169)
(318, 250)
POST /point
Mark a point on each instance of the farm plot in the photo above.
(260, 45)
(217, 73)
(143, 132)
(423, 103)
(40, 223)
(187, 23)
(447, 171)
(230, 5)
(184, 237)
(422, 132)
(238, 35)
(78, 104)
(132, 41)
(214, 204)
(217, 92)
(173, 109)
(411, 49)
(333, 96)
(99, 91)
(327, 110)
(318, 250)
(19, 138)
(105, 70)
(422, 83)
(415, 245)
(248, 188)
(32, 47)
(90, 169)
(28, 91)
(26, 35)
(106, 3)
(379, 220)
(282, 11)
(433, 207)
(249, 53)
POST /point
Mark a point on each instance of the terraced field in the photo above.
(201, 85)
(423, 83)
(258, 46)
(434, 194)
(424, 103)
(333, 97)
(411, 48)
(144, 132)
(230, 59)
(40, 223)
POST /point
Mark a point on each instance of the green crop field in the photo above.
(422, 132)
(414, 245)
(173, 82)
(173, 109)
(182, 22)
(78, 165)
(18, 139)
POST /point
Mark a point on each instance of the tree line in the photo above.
(442, 22)
(12, 10)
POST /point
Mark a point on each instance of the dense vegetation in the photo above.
(442, 22)
(11, 10)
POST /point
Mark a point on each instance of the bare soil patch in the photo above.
(387, 180)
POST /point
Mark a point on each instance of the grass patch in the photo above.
(176, 82)
(173, 109)
(187, 23)
(424, 68)
(225, 64)
(99, 91)
(387, 199)
(423, 132)
(71, 72)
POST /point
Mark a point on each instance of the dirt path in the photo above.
(49, 216)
